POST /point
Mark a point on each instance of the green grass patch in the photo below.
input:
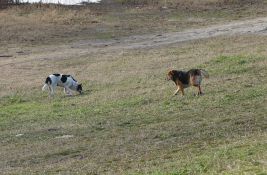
(233, 158)
(224, 65)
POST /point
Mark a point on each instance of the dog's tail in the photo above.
(204, 73)
(48, 81)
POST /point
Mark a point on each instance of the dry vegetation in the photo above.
(47, 24)
(127, 122)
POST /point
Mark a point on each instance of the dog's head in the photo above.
(170, 75)
(80, 88)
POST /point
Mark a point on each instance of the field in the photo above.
(127, 121)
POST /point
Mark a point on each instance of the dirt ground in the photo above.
(17, 59)
(78, 48)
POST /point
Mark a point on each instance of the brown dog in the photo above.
(184, 79)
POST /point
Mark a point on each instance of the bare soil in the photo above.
(85, 47)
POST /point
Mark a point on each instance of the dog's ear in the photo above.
(79, 88)
(170, 75)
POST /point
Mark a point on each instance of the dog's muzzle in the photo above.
(167, 78)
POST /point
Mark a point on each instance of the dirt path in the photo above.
(26, 63)
(258, 25)
(80, 48)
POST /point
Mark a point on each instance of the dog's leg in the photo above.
(49, 90)
(52, 88)
(199, 90)
(68, 90)
(52, 91)
(182, 90)
(178, 89)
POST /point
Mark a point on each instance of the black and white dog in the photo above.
(66, 81)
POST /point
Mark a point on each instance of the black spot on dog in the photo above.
(181, 76)
(64, 78)
(48, 80)
(74, 79)
(57, 75)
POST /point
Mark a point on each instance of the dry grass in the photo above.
(33, 24)
(103, 67)
(48, 24)
(192, 4)
(127, 122)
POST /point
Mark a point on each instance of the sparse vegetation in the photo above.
(127, 121)
(40, 24)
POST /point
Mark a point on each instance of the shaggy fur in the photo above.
(183, 79)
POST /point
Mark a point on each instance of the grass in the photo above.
(128, 122)
(32, 25)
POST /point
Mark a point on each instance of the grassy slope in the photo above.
(48, 24)
(127, 122)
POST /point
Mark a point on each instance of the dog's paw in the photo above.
(198, 94)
